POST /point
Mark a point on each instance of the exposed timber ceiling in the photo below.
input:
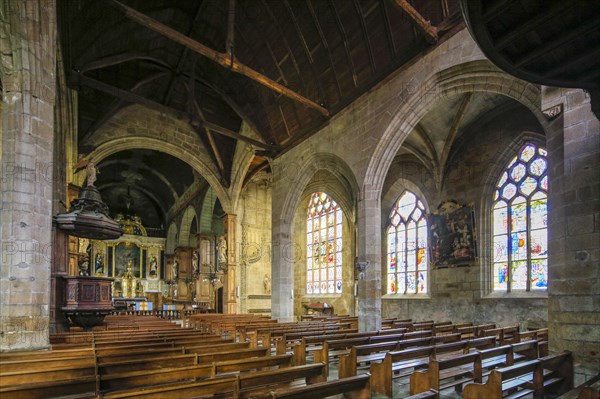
(549, 42)
(283, 67)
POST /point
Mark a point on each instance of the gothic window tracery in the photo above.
(324, 245)
(407, 262)
(520, 220)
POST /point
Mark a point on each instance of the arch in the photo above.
(185, 240)
(171, 239)
(474, 76)
(139, 142)
(299, 177)
(206, 213)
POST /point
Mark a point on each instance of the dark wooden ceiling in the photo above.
(549, 42)
(328, 52)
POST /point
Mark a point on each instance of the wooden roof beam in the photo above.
(365, 34)
(340, 26)
(423, 24)
(222, 59)
(137, 99)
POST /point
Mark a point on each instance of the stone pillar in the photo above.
(282, 263)
(574, 225)
(230, 294)
(369, 253)
(28, 45)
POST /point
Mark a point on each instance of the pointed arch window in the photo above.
(520, 220)
(324, 245)
(407, 263)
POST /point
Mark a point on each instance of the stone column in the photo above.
(574, 225)
(282, 263)
(230, 294)
(28, 45)
(369, 254)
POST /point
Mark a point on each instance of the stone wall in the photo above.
(574, 231)
(367, 136)
(254, 243)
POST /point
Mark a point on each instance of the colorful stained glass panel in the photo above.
(391, 283)
(519, 275)
(518, 172)
(411, 283)
(501, 276)
(500, 248)
(527, 153)
(537, 167)
(518, 215)
(519, 246)
(509, 191)
(500, 220)
(539, 274)
(539, 214)
(539, 243)
(422, 283)
(528, 186)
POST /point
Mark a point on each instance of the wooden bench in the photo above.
(447, 373)
(50, 377)
(175, 360)
(259, 383)
(588, 390)
(356, 387)
(185, 390)
(143, 378)
(394, 363)
(532, 377)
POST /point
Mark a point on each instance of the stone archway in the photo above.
(297, 177)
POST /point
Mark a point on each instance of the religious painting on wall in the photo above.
(127, 254)
(452, 242)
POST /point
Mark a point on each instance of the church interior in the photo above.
(382, 163)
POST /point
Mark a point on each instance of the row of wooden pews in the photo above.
(164, 362)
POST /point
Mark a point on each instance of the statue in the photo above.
(222, 252)
(99, 264)
(153, 266)
(267, 284)
(90, 168)
(195, 266)
(84, 266)
(175, 269)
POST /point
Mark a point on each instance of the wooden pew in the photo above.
(551, 374)
(394, 364)
(175, 360)
(189, 390)
(50, 377)
(144, 378)
(590, 389)
(356, 387)
(447, 373)
(261, 383)
(253, 363)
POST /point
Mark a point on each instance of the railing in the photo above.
(162, 314)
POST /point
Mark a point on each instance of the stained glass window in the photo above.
(324, 245)
(520, 221)
(407, 263)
